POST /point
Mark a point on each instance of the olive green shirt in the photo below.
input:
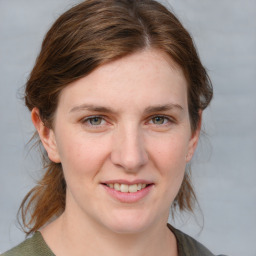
(36, 246)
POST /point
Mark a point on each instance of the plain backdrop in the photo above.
(224, 168)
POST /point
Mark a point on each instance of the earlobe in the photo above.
(194, 139)
(46, 135)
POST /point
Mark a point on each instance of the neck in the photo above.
(67, 237)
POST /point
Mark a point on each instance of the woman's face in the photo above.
(123, 127)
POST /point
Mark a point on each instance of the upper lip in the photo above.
(121, 181)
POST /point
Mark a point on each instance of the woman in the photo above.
(116, 96)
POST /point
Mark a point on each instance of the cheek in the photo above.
(169, 157)
(170, 153)
(81, 155)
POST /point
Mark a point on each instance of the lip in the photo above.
(126, 197)
(121, 181)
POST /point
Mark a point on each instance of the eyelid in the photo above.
(169, 118)
(86, 119)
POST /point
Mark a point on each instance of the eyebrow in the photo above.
(148, 110)
(161, 108)
(93, 108)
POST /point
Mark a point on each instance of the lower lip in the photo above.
(128, 197)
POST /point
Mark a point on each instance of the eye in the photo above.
(94, 121)
(160, 120)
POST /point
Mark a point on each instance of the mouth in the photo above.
(127, 188)
(128, 192)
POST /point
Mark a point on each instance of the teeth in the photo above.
(127, 188)
(133, 188)
(117, 186)
(124, 188)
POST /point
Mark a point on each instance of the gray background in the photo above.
(224, 169)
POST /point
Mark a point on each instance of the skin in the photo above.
(133, 137)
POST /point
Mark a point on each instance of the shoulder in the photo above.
(34, 246)
(188, 246)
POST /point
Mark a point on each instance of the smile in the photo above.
(125, 188)
(128, 192)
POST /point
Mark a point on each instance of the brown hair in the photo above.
(90, 34)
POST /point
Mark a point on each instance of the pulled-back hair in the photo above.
(88, 35)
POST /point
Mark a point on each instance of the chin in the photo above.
(130, 223)
(127, 228)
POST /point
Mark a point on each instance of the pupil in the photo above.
(95, 121)
(159, 120)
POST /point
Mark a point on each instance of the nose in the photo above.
(128, 150)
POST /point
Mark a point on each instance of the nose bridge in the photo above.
(129, 150)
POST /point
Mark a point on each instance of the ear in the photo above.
(194, 139)
(46, 135)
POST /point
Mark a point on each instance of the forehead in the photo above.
(146, 77)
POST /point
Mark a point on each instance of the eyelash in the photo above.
(87, 121)
(168, 120)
